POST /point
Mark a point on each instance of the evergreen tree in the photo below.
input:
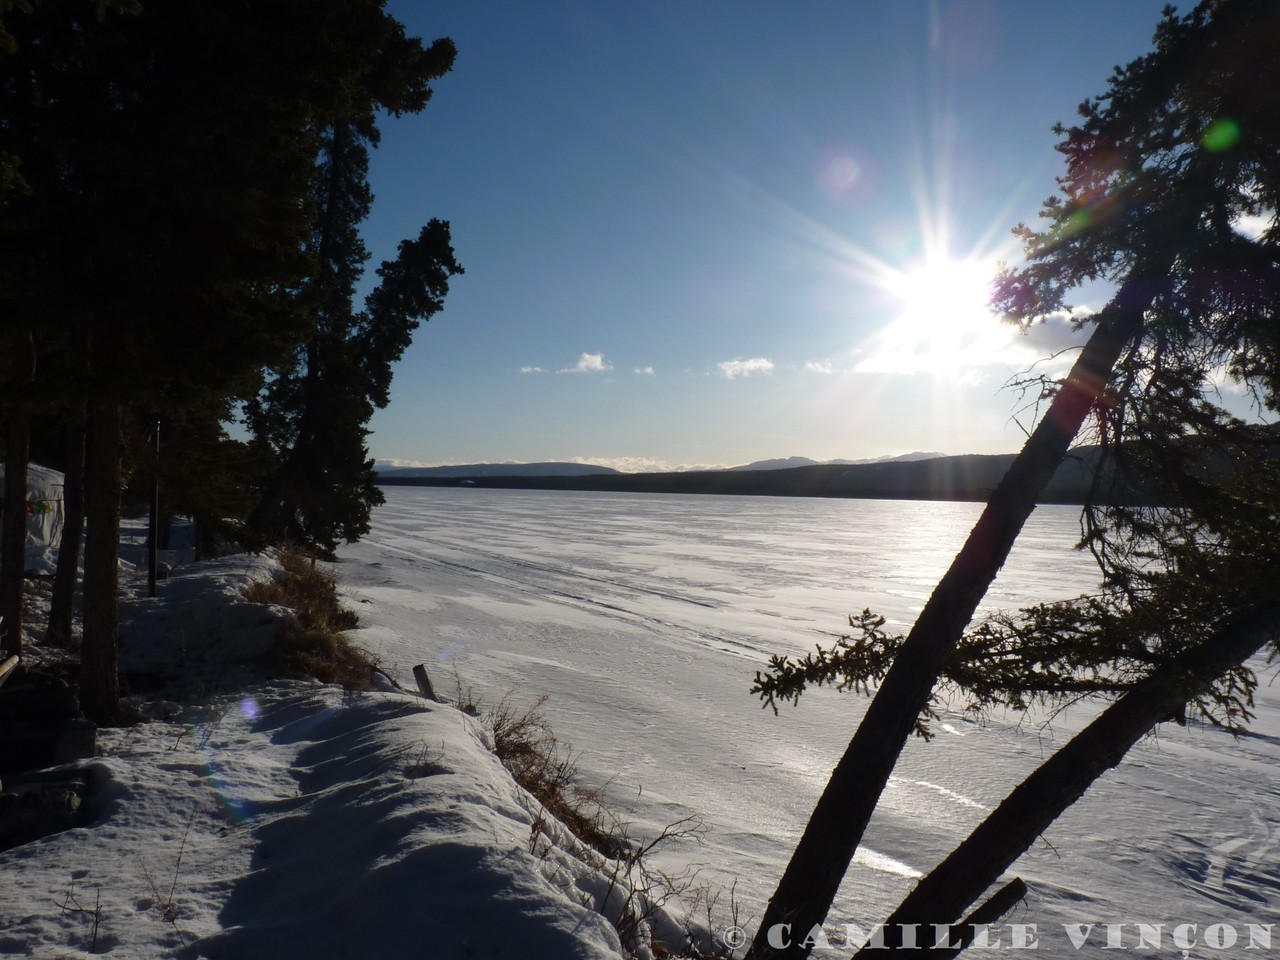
(1160, 172)
(11, 174)
(161, 218)
(13, 535)
(313, 414)
(203, 474)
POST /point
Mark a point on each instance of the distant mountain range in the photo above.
(565, 469)
(971, 477)
(791, 462)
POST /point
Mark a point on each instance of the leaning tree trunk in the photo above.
(13, 535)
(100, 647)
(821, 858)
(62, 601)
(1060, 781)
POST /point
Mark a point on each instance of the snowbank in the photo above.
(287, 819)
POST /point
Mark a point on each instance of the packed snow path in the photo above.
(287, 820)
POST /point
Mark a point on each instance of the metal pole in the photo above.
(153, 541)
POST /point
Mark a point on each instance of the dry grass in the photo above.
(637, 892)
(313, 641)
(539, 762)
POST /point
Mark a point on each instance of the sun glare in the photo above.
(933, 310)
(943, 321)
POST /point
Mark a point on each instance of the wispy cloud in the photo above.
(1049, 343)
(818, 366)
(644, 371)
(974, 377)
(1226, 382)
(589, 363)
(731, 369)
(452, 462)
(1054, 332)
(532, 370)
(645, 464)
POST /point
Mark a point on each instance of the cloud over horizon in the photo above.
(1047, 344)
(731, 369)
(589, 363)
(622, 464)
(645, 464)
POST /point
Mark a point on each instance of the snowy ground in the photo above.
(255, 818)
(645, 618)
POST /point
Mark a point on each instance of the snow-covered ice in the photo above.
(646, 617)
(281, 818)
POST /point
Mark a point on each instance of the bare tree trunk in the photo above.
(1060, 781)
(153, 519)
(100, 648)
(14, 533)
(62, 602)
(835, 828)
(13, 555)
(1001, 902)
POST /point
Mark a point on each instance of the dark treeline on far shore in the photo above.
(971, 477)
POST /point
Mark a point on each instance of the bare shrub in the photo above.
(70, 904)
(539, 762)
(313, 640)
(165, 901)
(633, 893)
(643, 901)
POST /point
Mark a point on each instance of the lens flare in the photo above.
(1221, 135)
(236, 808)
(844, 173)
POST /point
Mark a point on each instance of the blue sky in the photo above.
(706, 233)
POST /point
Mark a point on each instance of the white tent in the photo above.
(44, 512)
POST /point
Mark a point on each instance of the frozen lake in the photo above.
(645, 618)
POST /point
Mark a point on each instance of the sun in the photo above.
(944, 300)
(929, 314)
(942, 318)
